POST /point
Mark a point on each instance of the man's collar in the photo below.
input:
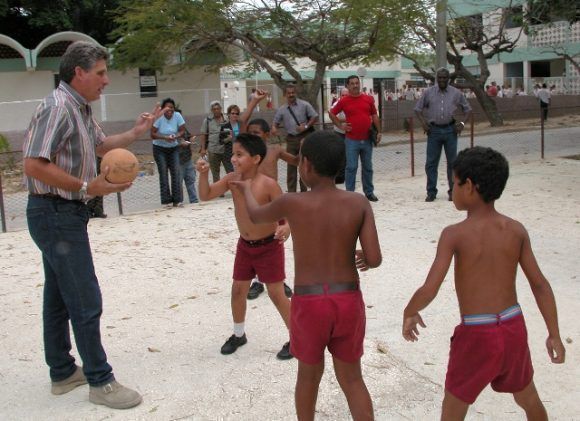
(76, 97)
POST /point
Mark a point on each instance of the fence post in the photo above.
(120, 203)
(412, 141)
(2, 213)
(322, 106)
(542, 131)
(472, 123)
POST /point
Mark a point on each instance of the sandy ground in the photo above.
(165, 278)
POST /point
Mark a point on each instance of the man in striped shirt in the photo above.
(60, 151)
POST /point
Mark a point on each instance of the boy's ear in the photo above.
(306, 163)
(471, 187)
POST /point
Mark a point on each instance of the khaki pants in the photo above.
(215, 160)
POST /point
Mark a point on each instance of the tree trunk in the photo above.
(488, 106)
(487, 103)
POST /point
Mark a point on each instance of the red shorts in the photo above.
(492, 353)
(265, 258)
(336, 321)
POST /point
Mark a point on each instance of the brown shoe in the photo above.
(64, 386)
(114, 395)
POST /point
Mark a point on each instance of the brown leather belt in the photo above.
(326, 288)
(261, 242)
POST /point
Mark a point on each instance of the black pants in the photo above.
(544, 108)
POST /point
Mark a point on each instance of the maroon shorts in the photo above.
(495, 353)
(336, 321)
(264, 258)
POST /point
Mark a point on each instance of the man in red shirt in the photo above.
(361, 114)
(492, 90)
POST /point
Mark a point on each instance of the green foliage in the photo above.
(4, 145)
(273, 35)
(30, 21)
(547, 11)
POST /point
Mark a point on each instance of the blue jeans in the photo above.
(71, 289)
(167, 159)
(187, 173)
(440, 137)
(353, 149)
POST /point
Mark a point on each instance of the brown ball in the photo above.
(123, 166)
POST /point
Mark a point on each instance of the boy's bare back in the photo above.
(326, 225)
(487, 251)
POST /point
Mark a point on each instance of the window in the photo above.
(470, 28)
(513, 17)
(147, 83)
(337, 83)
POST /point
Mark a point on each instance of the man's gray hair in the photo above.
(211, 104)
(83, 54)
(442, 70)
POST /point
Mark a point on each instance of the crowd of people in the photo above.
(327, 225)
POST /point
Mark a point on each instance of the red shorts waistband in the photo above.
(322, 289)
(260, 242)
(488, 319)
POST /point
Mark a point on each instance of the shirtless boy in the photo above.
(269, 166)
(327, 305)
(260, 249)
(490, 345)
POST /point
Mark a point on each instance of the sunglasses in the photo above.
(234, 113)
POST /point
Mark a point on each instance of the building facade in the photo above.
(27, 76)
(537, 58)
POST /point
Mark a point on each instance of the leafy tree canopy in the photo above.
(30, 21)
(272, 34)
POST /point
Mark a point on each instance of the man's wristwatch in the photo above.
(83, 190)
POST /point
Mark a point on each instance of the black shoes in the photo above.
(430, 198)
(284, 353)
(287, 290)
(372, 197)
(255, 290)
(233, 343)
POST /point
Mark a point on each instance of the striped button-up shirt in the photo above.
(440, 105)
(63, 131)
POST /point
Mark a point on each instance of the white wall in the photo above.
(192, 90)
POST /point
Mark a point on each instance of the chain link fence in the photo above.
(524, 136)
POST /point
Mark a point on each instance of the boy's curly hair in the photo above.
(487, 169)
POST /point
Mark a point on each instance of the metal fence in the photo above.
(401, 154)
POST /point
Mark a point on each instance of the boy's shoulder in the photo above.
(263, 179)
(499, 220)
(354, 201)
